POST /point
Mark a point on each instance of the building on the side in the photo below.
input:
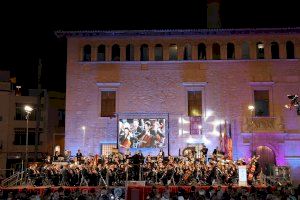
(13, 124)
(56, 121)
(200, 82)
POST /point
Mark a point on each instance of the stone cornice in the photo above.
(176, 32)
(108, 84)
(261, 83)
(194, 84)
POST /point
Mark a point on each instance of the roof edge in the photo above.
(174, 32)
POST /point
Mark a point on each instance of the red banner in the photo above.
(195, 125)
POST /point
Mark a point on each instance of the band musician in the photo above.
(79, 156)
(203, 152)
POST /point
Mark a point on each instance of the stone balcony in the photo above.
(263, 125)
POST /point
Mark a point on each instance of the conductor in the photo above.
(79, 156)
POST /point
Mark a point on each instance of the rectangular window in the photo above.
(261, 100)
(108, 103)
(194, 103)
(20, 136)
(107, 149)
(61, 117)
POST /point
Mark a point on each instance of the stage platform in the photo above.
(131, 192)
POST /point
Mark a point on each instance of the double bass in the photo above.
(125, 140)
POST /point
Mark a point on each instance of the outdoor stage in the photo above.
(132, 192)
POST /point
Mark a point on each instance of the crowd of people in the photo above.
(287, 192)
(64, 194)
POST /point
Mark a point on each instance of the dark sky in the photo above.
(27, 31)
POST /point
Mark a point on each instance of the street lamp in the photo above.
(251, 108)
(83, 128)
(28, 111)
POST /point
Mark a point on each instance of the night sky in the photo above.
(27, 31)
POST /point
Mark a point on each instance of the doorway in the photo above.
(267, 159)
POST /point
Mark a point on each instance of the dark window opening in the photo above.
(144, 52)
(187, 54)
(275, 50)
(216, 51)
(201, 51)
(101, 53)
(230, 51)
(158, 52)
(290, 50)
(194, 103)
(115, 53)
(129, 52)
(87, 52)
(108, 103)
(261, 99)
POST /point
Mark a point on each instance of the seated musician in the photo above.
(146, 139)
(216, 151)
(126, 139)
(56, 155)
(204, 151)
(79, 156)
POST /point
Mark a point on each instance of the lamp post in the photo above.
(251, 108)
(28, 111)
(83, 128)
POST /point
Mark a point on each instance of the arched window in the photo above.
(158, 52)
(187, 54)
(216, 51)
(173, 54)
(115, 53)
(230, 51)
(129, 52)
(144, 52)
(290, 50)
(245, 51)
(87, 50)
(101, 53)
(260, 50)
(275, 50)
(201, 51)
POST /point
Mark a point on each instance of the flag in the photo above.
(195, 125)
(225, 149)
(220, 138)
(229, 142)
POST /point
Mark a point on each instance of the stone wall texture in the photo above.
(159, 89)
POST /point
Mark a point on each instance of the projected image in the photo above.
(142, 133)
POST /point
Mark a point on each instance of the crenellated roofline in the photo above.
(176, 32)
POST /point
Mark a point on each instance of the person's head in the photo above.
(135, 123)
(126, 130)
(193, 188)
(147, 125)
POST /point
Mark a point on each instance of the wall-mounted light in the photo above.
(260, 46)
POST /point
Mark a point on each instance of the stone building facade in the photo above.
(152, 71)
(13, 125)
